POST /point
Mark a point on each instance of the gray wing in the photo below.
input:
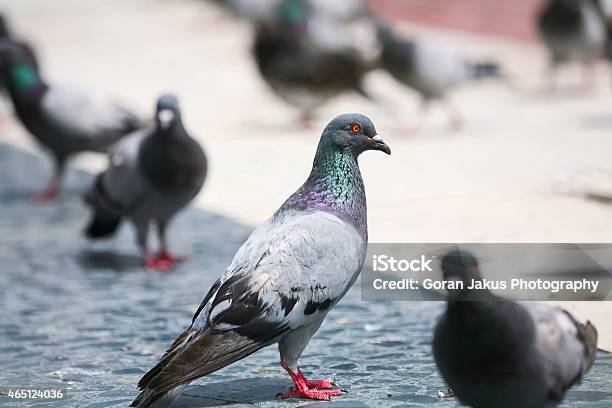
(287, 275)
(346, 25)
(123, 180)
(439, 66)
(566, 347)
(91, 123)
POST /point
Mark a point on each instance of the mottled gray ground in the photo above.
(91, 320)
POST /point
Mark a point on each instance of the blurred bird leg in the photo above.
(51, 191)
(456, 120)
(306, 119)
(549, 86)
(588, 78)
(151, 261)
(307, 389)
(164, 254)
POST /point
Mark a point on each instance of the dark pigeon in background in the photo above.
(430, 69)
(285, 278)
(572, 31)
(495, 352)
(28, 50)
(152, 174)
(63, 121)
(302, 62)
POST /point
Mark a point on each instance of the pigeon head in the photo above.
(10, 54)
(167, 112)
(353, 132)
(460, 265)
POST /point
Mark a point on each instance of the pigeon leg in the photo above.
(306, 118)
(588, 78)
(550, 80)
(302, 389)
(151, 261)
(456, 121)
(50, 192)
(164, 254)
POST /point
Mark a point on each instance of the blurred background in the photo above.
(491, 181)
(530, 162)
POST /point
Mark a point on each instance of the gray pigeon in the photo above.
(63, 121)
(285, 278)
(572, 30)
(495, 352)
(430, 69)
(307, 58)
(152, 174)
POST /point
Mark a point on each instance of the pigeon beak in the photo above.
(165, 117)
(380, 144)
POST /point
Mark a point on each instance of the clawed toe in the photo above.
(322, 384)
(323, 395)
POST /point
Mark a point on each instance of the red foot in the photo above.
(311, 394)
(319, 389)
(48, 194)
(153, 262)
(167, 256)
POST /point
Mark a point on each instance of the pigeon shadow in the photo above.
(239, 391)
(108, 260)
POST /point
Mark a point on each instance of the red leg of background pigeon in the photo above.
(302, 390)
(166, 255)
(50, 191)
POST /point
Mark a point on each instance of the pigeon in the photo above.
(430, 69)
(64, 121)
(298, 68)
(28, 50)
(152, 174)
(495, 352)
(285, 278)
(572, 30)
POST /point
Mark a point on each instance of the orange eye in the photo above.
(355, 128)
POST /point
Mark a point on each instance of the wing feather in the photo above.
(89, 121)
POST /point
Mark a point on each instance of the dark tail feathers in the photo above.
(482, 70)
(107, 213)
(102, 225)
(146, 398)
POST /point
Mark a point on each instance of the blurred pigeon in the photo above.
(152, 174)
(430, 69)
(28, 50)
(285, 278)
(301, 70)
(572, 30)
(65, 122)
(494, 352)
